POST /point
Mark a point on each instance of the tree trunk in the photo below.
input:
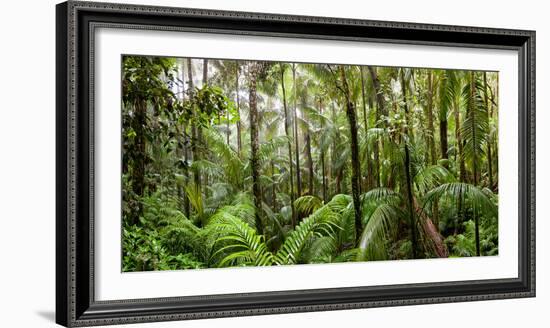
(407, 167)
(380, 109)
(296, 136)
(443, 123)
(273, 187)
(336, 173)
(194, 128)
(308, 149)
(239, 141)
(458, 137)
(355, 165)
(138, 172)
(182, 139)
(368, 171)
(254, 145)
(199, 129)
(444, 144)
(429, 112)
(489, 153)
(472, 109)
(186, 205)
(495, 159)
(431, 139)
(433, 239)
(287, 132)
(323, 158)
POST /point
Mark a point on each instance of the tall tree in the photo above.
(475, 134)
(488, 107)
(355, 165)
(138, 176)
(194, 127)
(368, 171)
(253, 72)
(238, 104)
(287, 133)
(182, 148)
(457, 95)
(443, 110)
(472, 117)
(308, 141)
(380, 110)
(296, 133)
(429, 114)
(199, 128)
(407, 167)
(323, 170)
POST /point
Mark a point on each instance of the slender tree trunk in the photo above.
(239, 141)
(310, 164)
(296, 136)
(194, 128)
(184, 142)
(355, 165)
(368, 170)
(186, 205)
(308, 149)
(431, 140)
(205, 72)
(336, 173)
(273, 187)
(254, 145)
(443, 142)
(287, 132)
(323, 158)
(429, 112)
(199, 129)
(495, 159)
(407, 166)
(458, 137)
(488, 107)
(138, 169)
(380, 109)
(443, 123)
(472, 110)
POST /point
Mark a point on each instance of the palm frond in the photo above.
(429, 177)
(237, 243)
(306, 205)
(379, 224)
(460, 191)
(322, 222)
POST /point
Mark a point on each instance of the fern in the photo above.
(238, 244)
(306, 205)
(322, 222)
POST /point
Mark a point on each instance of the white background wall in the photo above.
(27, 162)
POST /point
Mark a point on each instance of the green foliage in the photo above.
(326, 178)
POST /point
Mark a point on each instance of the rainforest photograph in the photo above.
(236, 163)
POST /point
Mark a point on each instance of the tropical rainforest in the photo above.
(230, 163)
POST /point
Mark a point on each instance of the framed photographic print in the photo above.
(214, 163)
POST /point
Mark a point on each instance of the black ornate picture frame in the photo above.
(75, 301)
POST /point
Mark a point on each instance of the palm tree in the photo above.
(355, 165)
(380, 110)
(296, 133)
(194, 126)
(213, 194)
(429, 114)
(238, 104)
(253, 71)
(443, 113)
(407, 167)
(287, 133)
(475, 131)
